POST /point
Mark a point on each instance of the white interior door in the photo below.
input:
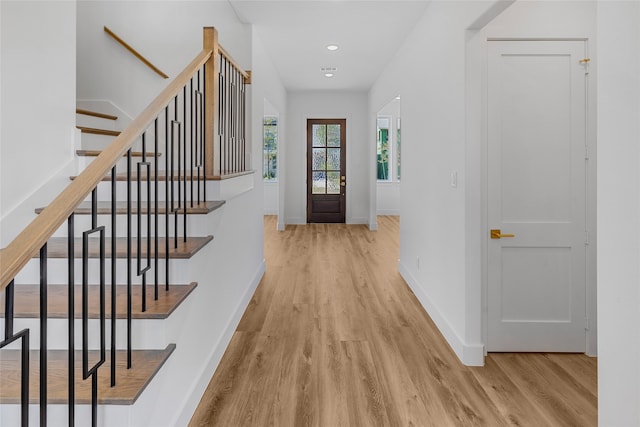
(536, 192)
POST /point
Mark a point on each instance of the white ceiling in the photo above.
(296, 33)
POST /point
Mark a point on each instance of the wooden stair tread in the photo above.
(95, 153)
(96, 131)
(57, 247)
(104, 208)
(27, 301)
(130, 383)
(95, 114)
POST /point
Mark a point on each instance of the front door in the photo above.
(326, 170)
(536, 196)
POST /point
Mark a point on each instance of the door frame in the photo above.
(591, 206)
(303, 159)
(343, 163)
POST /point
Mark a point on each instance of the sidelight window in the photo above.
(270, 149)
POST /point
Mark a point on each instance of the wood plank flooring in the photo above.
(334, 337)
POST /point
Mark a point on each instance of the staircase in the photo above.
(106, 296)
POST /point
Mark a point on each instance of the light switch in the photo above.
(454, 179)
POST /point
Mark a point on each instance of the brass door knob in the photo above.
(497, 234)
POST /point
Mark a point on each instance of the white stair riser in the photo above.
(104, 190)
(57, 270)
(197, 225)
(57, 415)
(146, 334)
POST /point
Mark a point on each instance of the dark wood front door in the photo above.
(326, 170)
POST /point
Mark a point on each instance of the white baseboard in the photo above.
(296, 221)
(190, 403)
(392, 212)
(356, 220)
(470, 355)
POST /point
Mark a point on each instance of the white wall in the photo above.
(269, 98)
(428, 72)
(618, 213)
(37, 103)
(167, 33)
(438, 74)
(349, 105)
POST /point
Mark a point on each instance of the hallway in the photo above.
(334, 337)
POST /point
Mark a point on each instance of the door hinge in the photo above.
(586, 324)
(586, 238)
(586, 152)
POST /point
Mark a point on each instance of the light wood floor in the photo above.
(334, 337)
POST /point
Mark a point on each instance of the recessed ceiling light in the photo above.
(328, 74)
(332, 47)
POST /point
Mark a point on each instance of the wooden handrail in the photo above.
(95, 114)
(16, 255)
(135, 52)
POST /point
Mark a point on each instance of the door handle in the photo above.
(496, 234)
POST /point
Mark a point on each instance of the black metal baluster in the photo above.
(200, 134)
(231, 120)
(43, 336)
(184, 160)
(243, 166)
(166, 196)
(227, 121)
(71, 308)
(240, 109)
(221, 113)
(129, 270)
(9, 301)
(24, 397)
(142, 271)
(93, 371)
(10, 337)
(231, 101)
(239, 124)
(155, 214)
(175, 211)
(192, 135)
(234, 121)
(234, 150)
(114, 236)
(204, 146)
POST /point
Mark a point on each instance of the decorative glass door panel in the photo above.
(326, 174)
